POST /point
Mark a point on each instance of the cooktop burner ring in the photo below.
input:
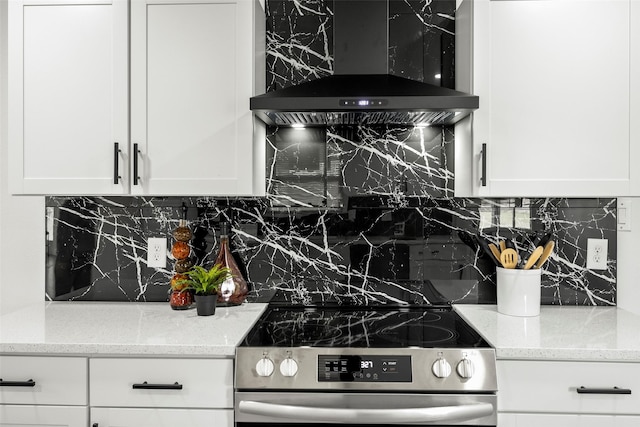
(424, 335)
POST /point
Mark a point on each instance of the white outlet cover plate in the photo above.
(597, 252)
(157, 252)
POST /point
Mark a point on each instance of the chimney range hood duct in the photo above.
(361, 92)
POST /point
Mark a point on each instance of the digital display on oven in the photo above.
(373, 368)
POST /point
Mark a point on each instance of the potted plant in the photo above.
(205, 284)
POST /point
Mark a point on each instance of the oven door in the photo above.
(262, 409)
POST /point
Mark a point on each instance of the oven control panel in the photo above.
(369, 368)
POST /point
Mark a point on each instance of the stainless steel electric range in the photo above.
(363, 366)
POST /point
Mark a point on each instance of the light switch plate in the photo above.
(486, 217)
(506, 217)
(523, 218)
(624, 214)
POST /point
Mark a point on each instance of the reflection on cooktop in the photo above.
(362, 327)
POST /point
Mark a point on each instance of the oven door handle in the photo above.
(368, 416)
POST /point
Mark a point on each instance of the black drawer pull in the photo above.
(28, 383)
(146, 386)
(614, 390)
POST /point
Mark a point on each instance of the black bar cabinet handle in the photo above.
(483, 178)
(135, 164)
(116, 157)
(146, 386)
(28, 383)
(614, 390)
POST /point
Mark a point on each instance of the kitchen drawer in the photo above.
(56, 380)
(205, 383)
(554, 386)
(566, 420)
(141, 417)
(43, 416)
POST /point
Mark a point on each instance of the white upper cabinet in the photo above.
(193, 70)
(634, 51)
(68, 92)
(553, 79)
(186, 69)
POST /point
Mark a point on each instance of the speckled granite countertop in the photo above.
(559, 333)
(124, 329)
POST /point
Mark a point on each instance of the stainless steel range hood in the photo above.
(361, 92)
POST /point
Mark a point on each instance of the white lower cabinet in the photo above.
(43, 391)
(563, 420)
(160, 392)
(141, 417)
(43, 416)
(568, 394)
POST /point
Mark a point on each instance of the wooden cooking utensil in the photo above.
(535, 255)
(509, 258)
(503, 245)
(495, 251)
(548, 248)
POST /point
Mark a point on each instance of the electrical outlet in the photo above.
(597, 254)
(157, 252)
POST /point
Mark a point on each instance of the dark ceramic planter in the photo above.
(206, 304)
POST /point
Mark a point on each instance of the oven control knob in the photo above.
(288, 367)
(264, 367)
(441, 368)
(465, 368)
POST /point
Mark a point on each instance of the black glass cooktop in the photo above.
(362, 327)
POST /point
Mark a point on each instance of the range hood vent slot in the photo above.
(363, 118)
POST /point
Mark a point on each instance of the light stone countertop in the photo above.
(125, 329)
(559, 333)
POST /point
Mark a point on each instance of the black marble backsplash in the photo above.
(354, 215)
(373, 250)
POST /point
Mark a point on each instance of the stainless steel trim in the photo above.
(366, 408)
(483, 359)
(369, 416)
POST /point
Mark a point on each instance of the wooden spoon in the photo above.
(495, 251)
(509, 258)
(535, 255)
(503, 245)
(548, 248)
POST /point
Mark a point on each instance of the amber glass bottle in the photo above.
(234, 290)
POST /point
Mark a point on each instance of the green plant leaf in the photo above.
(206, 282)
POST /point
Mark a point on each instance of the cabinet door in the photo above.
(45, 416)
(560, 420)
(553, 82)
(191, 80)
(135, 417)
(68, 92)
(634, 51)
